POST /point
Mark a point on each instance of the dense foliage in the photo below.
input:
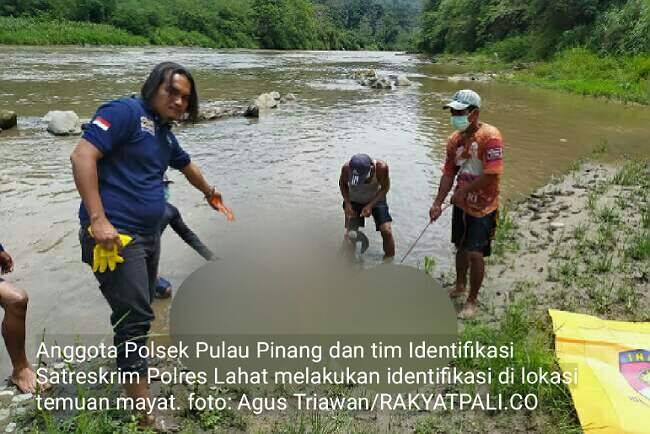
(533, 29)
(281, 24)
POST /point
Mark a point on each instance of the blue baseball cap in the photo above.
(360, 165)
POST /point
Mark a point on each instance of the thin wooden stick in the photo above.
(420, 236)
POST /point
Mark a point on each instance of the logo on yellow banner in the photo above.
(635, 367)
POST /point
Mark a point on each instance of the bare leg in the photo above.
(139, 392)
(389, 241)
(476, 274)
(462, 264)
(14, 300)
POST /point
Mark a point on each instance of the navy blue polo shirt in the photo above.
(137, 150)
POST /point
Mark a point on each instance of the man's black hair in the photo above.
(163, 72)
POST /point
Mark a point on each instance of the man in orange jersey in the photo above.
(475, 159)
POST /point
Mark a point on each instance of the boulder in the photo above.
(252, 111)
(364, 74)
(63, 123)
(266, 101)
(209, 114)
(8, 119)
(22, 398)
(402, 80)
(263, 102)
(382, 83)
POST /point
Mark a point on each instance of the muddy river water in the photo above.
(279, 170)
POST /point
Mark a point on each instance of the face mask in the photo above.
(460, 123)
(167, 194)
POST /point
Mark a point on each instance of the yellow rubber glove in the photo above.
(103, 258)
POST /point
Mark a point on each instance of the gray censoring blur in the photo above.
(292, 294)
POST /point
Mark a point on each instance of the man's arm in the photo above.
(84, 169)
(384, 180)
(446, 183)
(345, 190)
(343, 183)
(187, 235)
(195, 177)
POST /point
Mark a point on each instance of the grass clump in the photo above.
(639, 248)
(608, 215)
(632, 173)
(312, 422)
(213, 419)
(601, 296)
(84, 421)
(506, 237)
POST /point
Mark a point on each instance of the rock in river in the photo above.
(402, 81)
(262, 102)
(62, 123)
(8, 119)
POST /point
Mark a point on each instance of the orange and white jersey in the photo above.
(469, 158)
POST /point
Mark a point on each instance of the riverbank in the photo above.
(34, 31)
(622, 78)
(581, 243)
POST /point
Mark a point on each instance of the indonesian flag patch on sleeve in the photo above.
(102, 123)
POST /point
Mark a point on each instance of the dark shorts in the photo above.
(474, 234)
(379, 213)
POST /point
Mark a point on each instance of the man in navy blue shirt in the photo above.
(118, 168)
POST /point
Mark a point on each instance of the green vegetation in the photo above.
(212, 419)
(536, 29)
(633, 173)
(35, 31)
(591, 47)
(582, 71)
(278, 24)
(533, 343)
(506, 234)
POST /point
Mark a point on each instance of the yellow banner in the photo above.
(612, 394)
